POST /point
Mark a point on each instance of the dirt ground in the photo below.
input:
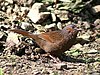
(20, 55)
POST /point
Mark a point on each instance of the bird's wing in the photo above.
(52, 37)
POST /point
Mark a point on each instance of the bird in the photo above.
(53, 42)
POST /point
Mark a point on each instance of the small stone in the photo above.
(86, 24)
(24, 8)
(98, 40)
(50, 26)
(38, 50)
(97, 21)
(39, 28)
(62, 15)
(10, 1)
(26, 26)
(96, 9)
(53, 17)
(16, 9)
(28, 51)
(95, 73)
(93, 51)
(61, 66)
(6, 3)
(3, 8)
(30, 2)
(10, 64)
(12, 39)
(65, 0)
(85, 36)
(1, 34)
(9, 11)
(78, 46)
(59, 25)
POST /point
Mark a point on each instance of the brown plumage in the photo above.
(54, 42)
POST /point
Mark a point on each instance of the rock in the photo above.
(92, 51)
(53, 17)
(95, 73)
(16, 8)
(39, 28)
(62, 15)
(50, 26)
(1, 34)
(97, 22)
(96, 9)
(61, 66)
(30, 2)
(85, 36)
(24, 8)
(25, 2)
(26, 26)
(10, 1)
(86, 25)
(9, 10)
(38, 50)
(98, 40)
(12, 39)
(38, 13)
(28, 51)
(65, 0)
(59, 25)
(78, 46)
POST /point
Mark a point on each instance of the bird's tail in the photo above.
(24, 33)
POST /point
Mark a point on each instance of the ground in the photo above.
(20, 55)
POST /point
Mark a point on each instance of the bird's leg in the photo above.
(55, 59)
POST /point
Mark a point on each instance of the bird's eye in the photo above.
(72, 26)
